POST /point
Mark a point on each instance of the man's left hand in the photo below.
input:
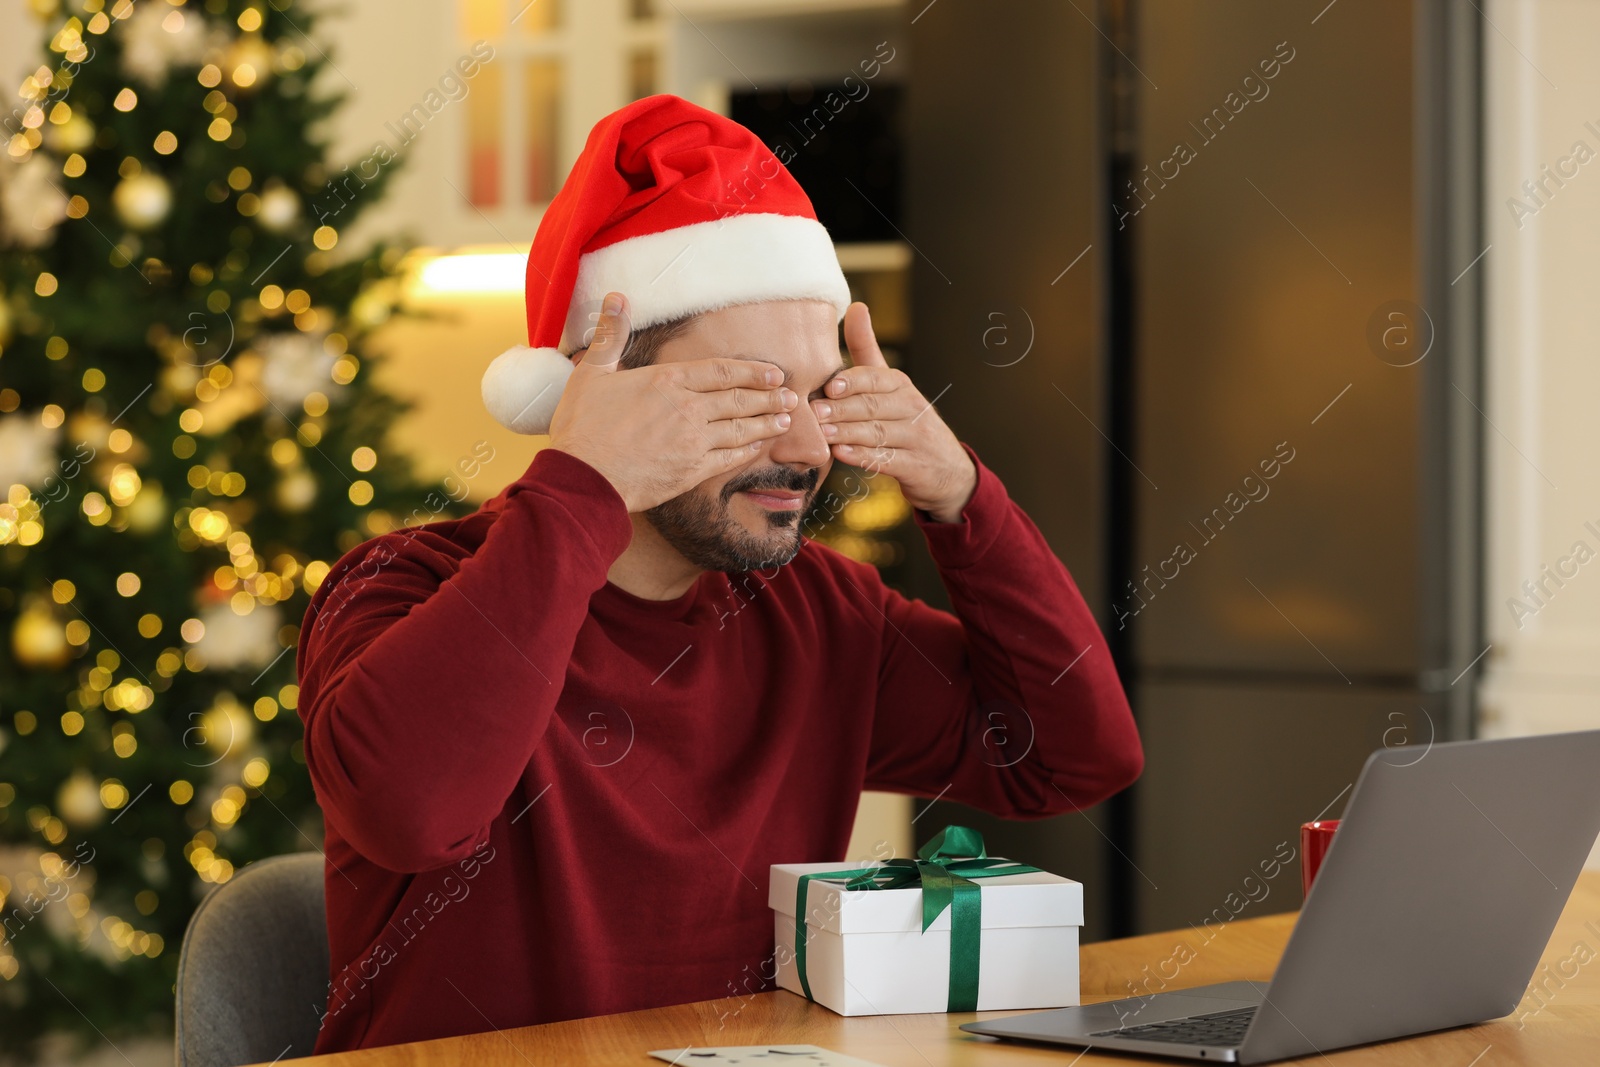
(874, 418)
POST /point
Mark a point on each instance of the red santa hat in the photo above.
(681, 210)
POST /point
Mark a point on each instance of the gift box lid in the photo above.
(1011, 900)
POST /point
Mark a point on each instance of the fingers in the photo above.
(610, 337)
(748, 432)
(870, 371)
(859, 338)
(867, 379)
(734, 403)
(722, 460)
(869, 433)
(879, 460)
(899, 404)
(710, 375)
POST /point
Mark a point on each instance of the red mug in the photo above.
(1315, 837)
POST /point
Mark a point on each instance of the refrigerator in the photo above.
(1199, 284)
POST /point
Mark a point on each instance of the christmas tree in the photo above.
(188, 439)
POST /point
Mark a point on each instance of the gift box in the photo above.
(953, 930)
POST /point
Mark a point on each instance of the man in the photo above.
(559, 742)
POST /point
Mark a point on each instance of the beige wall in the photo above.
(19, 48)
(1543, 320)
(437, 363)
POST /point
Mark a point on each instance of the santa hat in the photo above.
(681, 210)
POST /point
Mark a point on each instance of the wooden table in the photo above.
(1557, 1023)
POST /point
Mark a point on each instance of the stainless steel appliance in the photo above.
(1201, 283)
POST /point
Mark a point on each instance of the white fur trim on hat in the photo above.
(522, 386)
(740, 259)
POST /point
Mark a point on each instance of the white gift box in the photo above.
(867, 954)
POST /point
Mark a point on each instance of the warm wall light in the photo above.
(473, 272)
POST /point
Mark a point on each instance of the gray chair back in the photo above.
(253, 973)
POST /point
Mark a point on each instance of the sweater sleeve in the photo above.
(1012, 704)
(429, 671)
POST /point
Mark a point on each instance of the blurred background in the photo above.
(1275, 316)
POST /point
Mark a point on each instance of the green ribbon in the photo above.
(944, 869)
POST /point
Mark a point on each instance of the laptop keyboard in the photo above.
(1224, 1029)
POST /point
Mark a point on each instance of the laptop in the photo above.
(1431, 909)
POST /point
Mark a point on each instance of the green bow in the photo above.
(944, 868)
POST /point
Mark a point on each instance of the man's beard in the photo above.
(706, 535)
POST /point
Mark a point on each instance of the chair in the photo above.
(253, 972)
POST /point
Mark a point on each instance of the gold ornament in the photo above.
(297, 490)
(148, 511)
(179, 379)
(142, 200)
(74, 135)
(249, 61)
(39, 641)
(90, 429)
(279, 209)
(242, 400)
(78, 801)
(226, 729)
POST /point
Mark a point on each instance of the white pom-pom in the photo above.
(523, 385)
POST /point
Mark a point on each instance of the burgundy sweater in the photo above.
(547, 798)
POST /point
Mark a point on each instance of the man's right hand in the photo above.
(658, 431)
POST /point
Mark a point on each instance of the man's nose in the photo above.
(802, 443)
